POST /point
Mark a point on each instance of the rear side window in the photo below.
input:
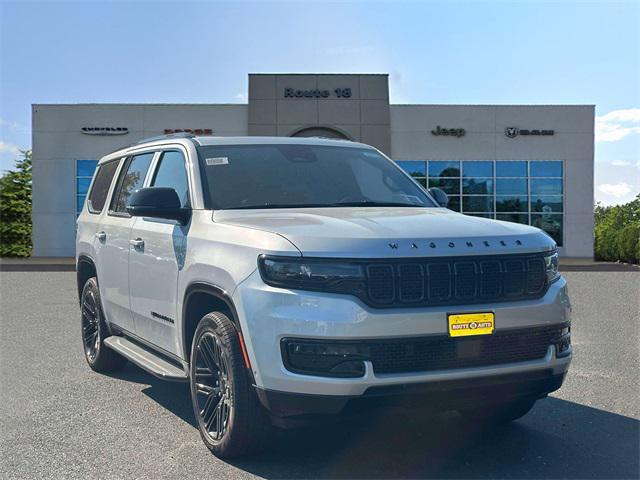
(130, 181)
(98, 195)
(172, 172)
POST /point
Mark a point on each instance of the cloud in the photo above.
(242, 97)
(617, 190)
(618, 124)
(9, 148)
(621, 163)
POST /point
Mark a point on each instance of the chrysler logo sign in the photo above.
(104, 130)
(513, 132)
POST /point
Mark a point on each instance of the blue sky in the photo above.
(435, 52)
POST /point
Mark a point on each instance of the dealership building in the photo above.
(530, 164)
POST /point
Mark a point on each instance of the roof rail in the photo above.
(165, 137)
(156, 138)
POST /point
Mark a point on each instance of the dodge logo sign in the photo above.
(513, 132)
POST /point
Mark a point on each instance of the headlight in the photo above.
(551, 262)
(319, 275)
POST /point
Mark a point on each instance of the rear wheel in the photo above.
(502, 413)
(230, 418)
(94, 330)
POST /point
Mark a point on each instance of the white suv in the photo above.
(291, 279)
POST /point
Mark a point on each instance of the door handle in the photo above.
(101, 236)
(138, 243)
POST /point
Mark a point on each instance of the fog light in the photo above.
(325, 359)
(563, 343)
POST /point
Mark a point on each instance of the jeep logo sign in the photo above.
(452, 132)
(513, 132)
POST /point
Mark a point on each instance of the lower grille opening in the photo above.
(417, 354)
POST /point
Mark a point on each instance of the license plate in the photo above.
(467, 324)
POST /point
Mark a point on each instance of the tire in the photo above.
(500, 414)
(230, 418)
(94, 330)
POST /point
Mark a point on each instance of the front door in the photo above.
(156, 258)
(112, 243)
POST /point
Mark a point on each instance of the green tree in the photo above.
(15, 209)
(617, 232)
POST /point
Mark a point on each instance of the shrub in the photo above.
(617, 232)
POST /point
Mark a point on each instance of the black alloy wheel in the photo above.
(230, 418)
(94, 330)
(90, 325)
(213, 386)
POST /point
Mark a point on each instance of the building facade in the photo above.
(519, 163)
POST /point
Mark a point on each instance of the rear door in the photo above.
(113, 243)
(158, 257)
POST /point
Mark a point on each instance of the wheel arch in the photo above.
(85, 269)
(201, 298)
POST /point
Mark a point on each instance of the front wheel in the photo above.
(230, 418)
(94, 330)
(502, 413)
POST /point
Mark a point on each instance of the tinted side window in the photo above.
(101, 184)
(171, 172)
(131, 181)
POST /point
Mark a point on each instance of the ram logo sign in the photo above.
(513, 132)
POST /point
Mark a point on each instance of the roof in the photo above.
(245, 140)
(276, 140)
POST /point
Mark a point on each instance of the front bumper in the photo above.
(291, 409)
(268, 314)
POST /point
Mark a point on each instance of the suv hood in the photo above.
(378, 232)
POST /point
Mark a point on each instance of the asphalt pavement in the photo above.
(58, 419)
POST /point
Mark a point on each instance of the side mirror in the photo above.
(158, 202)
(440, 197)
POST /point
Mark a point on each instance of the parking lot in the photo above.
(61, 420)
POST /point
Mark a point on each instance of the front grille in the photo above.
(442, 352)
(455, 280)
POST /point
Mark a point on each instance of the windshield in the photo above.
(298, 176)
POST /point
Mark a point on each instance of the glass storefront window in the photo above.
(546, 168)
(527, 192)
(84, 172)
(511, 186)
(451, 186)
(546, 186)
(477, 203)
(513, 217)
(454, 203)
(546, 204)
(509, 168)
(477, 186)
(414, 168)
(475, 168)
(550, 223)
(512, 203)
(444, 169)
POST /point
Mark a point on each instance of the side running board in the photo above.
(146, 359)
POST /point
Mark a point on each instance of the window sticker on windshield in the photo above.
(371, 154)
(217, 161)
